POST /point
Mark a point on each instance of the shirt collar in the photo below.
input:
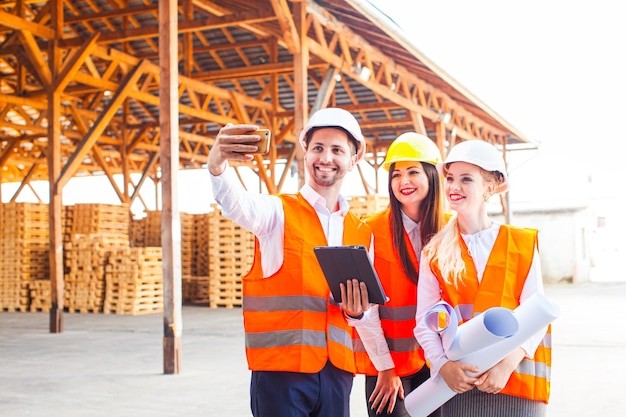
(317, 201)
(408, 223)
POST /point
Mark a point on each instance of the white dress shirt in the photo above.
(428, 294)
(264, 216)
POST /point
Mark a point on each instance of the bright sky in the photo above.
(554, 69)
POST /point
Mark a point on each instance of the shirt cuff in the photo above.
(373, 339)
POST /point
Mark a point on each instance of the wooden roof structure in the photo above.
(236, 63)
(143, 86)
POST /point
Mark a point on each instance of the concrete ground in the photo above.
(110, 365)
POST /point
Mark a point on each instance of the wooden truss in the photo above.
(239, 62)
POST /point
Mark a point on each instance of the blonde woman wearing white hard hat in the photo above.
(295, 335)
(414, 215)
(474, 264)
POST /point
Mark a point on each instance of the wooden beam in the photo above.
(35, 103)
(20, 24)
(8, 151)
(35, 56)
(287, 25)
(170, 216)
(300, 91)
(326, 90)
(211, 7)
(286, 171)
(71, 68)
(111, 14)
(418, 123)
(145, 174)
(100, 160)
(25, 182)
(100, 124)
(55, 212)
(235, 19)
(251, 71)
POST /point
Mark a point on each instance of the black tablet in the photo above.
(341, 263)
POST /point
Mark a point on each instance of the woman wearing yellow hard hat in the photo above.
(415, 213)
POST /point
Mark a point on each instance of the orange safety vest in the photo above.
(397, 316)
(501, 286)
(290, 322)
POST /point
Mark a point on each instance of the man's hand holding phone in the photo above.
(263, 144)
(238, 143)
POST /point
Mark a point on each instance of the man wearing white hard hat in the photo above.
(475, 264)
(298, 344)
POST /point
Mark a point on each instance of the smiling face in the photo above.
(329, 156)
(466, 187)
(409, 184)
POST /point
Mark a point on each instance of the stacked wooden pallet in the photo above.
(215, 253)
(187, 239)
(196, 289)
(24, 252)
(134, 281)
(200, 266)
(196, 282)
(40, 295)
(136, 232)
(368, 204)
(231, 251)
(67, 222)
(146, 232)
(97, 230)
(86, 257)
(152, 229)
(100, 218)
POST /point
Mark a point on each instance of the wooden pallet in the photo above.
(134, 282)
(40, 292)
(369, 204)
(24, 248)
(101, 219)
(196, 289)
(87, 257)
(225, 293)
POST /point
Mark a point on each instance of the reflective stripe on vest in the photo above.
(289, 321)
(286, 338)
(285, 303)
(397, 313)
(503, 280)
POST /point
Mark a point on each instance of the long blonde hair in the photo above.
(445, 247)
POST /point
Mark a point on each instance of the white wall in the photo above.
(564, 242)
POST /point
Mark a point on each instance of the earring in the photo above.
(486, 197)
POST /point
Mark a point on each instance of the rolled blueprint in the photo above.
(482, 341)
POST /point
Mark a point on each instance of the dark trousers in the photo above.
(294, 394)
(409, 383)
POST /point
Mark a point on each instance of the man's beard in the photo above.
(327, 179)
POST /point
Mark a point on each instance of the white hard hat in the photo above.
(335, 117)
(481, 154)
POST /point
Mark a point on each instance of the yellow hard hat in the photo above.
(411, 146)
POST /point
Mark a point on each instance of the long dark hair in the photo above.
(431, 218)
